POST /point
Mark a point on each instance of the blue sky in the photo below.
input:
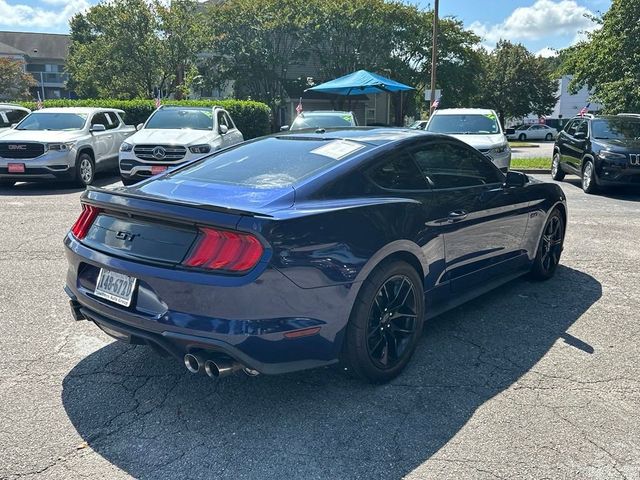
(539, 24)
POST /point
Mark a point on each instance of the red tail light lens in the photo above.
(224, 250)
(85, 220)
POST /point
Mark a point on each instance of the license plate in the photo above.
(156, 169)
(15, 168)
(115, 287)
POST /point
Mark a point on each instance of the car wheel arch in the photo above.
(88, 151)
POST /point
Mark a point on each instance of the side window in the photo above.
(570, 127)
(221, 119)
(583, 127)
(4, 121)
(398, 173)
(227, 119)
(446, 165)
(100, 118)
(112, 120)
(15, 116)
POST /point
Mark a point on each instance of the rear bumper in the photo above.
(244, 319)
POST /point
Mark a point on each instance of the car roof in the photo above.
(463, 111)
(326, 112)
(86, 110)
(186, 107)
(371, 135)
(12, 106)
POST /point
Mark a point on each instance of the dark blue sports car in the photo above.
(300, 250)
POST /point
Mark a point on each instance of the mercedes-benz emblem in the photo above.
(159, 153)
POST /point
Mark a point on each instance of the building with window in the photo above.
(44, 56)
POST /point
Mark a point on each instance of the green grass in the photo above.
(534, 162)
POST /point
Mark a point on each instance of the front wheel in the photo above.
(85, 170)
(556, 170)
(385, 323)
(589, 177)
(549, 247)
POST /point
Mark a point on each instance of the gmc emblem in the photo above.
(17, 147)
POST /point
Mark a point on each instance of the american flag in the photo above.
(39, 103)
(299, 107)
(158, 100)
(436, 103)
(584, 110)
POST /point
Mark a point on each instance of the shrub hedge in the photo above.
(252, 118)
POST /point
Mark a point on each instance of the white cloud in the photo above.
(20, 15)
(545, 18)
(547, 52)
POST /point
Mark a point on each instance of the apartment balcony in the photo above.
(50, 79)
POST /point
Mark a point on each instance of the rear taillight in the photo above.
(225, 250)
(86, 218)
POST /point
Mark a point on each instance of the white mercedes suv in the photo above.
(173, 135)
(478, 127)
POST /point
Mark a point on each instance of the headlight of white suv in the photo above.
(500, 149)
(200, 148)
(60, 147)
(126, 147)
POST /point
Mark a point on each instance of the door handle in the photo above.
(457, 215)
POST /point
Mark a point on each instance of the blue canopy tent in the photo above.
(361, 83)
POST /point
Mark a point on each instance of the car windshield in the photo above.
(417, 125)
(464, 124)
(53, 121)
(617, 128)
(170, 119)
(322, 121)
(270, 163)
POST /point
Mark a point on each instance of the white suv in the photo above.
(478, 127)
(172, 136)
(62, 144)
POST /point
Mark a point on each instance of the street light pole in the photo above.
(434, 55)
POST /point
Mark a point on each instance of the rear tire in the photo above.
(522, 137)
(85, 170)
(385, 323)
(550, 247)
(556, 169)
(589, 184)
(548, 137)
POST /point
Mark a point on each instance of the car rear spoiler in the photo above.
(101, 196)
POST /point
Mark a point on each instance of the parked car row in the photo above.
(532, 132)
(74, 144)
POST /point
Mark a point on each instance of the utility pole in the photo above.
(434, 55)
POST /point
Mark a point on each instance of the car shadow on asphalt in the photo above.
(629, 193)
(151, 418)
(55, 188)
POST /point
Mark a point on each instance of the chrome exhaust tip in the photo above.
(219, 368)
(194, 363)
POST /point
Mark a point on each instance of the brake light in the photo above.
(85, 220)
(225, 250)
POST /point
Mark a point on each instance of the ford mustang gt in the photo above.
(301, 250)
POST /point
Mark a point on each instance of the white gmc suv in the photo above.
(62, 144)
(174, 135)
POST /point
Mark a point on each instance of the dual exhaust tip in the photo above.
(214, 367)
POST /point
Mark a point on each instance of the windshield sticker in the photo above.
(337, 149)
(491, 116)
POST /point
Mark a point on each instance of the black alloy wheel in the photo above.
(549, 248)
(385, 324)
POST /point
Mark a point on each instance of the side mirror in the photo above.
(579, 135)
(98, 127)
(139, 126)
(14, 125)
(510, 131)
(223, 129)
(284, 128)
(515, 179)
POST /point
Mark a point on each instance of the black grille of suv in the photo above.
(21, 150)
(160, 153)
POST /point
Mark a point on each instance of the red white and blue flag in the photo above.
(585, 109)
(39, 103)
(299, 107)
(158, 100)
(436, 103)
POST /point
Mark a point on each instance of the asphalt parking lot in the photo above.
(541, 149)
(536, 380)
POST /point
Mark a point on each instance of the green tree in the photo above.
(516, 83)
(608, 61)
(14, 81)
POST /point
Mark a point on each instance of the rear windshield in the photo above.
(270, 163)
(464, 124)
(170, 119)
(322, 121)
